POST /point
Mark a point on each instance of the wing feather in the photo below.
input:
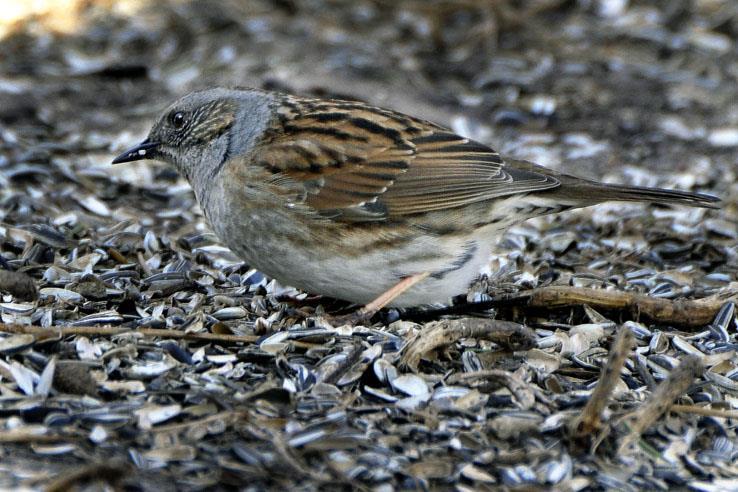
(356, 162)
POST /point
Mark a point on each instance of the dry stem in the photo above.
(662, 399)
(684, 312)
(443, 333)
(688, 313)
(56, 331)
(519, 389)
(589, 421)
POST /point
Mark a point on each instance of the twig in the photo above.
(189, 424)
(23, 436)
(589, 422)
(708, 412)
(443, 333)
(294, 462)
(109, 472)
(686, 312)
(694, 313)
(352, 357)
(662, 399)
(110, 331)
(519, 389)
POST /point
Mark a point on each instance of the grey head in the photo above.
(199, 132)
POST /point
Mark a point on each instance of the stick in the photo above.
(189, 424)
(111, 473)
(109, 331)
(589, 422)
(518, 388)
(695, 313)
(708, 412)
(687, 312)
(24, 436)
(443, 333)
(679, 380)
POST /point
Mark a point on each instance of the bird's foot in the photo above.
(364, 314)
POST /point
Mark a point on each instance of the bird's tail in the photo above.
(580, 192)
(601, 192)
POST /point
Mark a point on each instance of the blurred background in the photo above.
(641, 92)
(635, 91)
(612, 88)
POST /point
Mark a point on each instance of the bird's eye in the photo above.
(178, 120)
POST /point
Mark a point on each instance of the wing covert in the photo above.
(357, 163)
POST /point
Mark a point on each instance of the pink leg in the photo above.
(385, 298)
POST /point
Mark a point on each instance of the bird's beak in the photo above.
(144, 150)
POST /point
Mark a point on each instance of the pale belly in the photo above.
(362, 279)
(453, 264)
(329, 260)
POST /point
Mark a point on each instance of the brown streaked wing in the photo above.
(451, 171)
(356, 162)
(345, 158)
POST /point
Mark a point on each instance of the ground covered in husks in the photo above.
(136, 351)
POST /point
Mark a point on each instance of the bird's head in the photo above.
(203, 129)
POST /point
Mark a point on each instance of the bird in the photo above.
(348, 200)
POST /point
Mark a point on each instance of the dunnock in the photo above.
(345, 199)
